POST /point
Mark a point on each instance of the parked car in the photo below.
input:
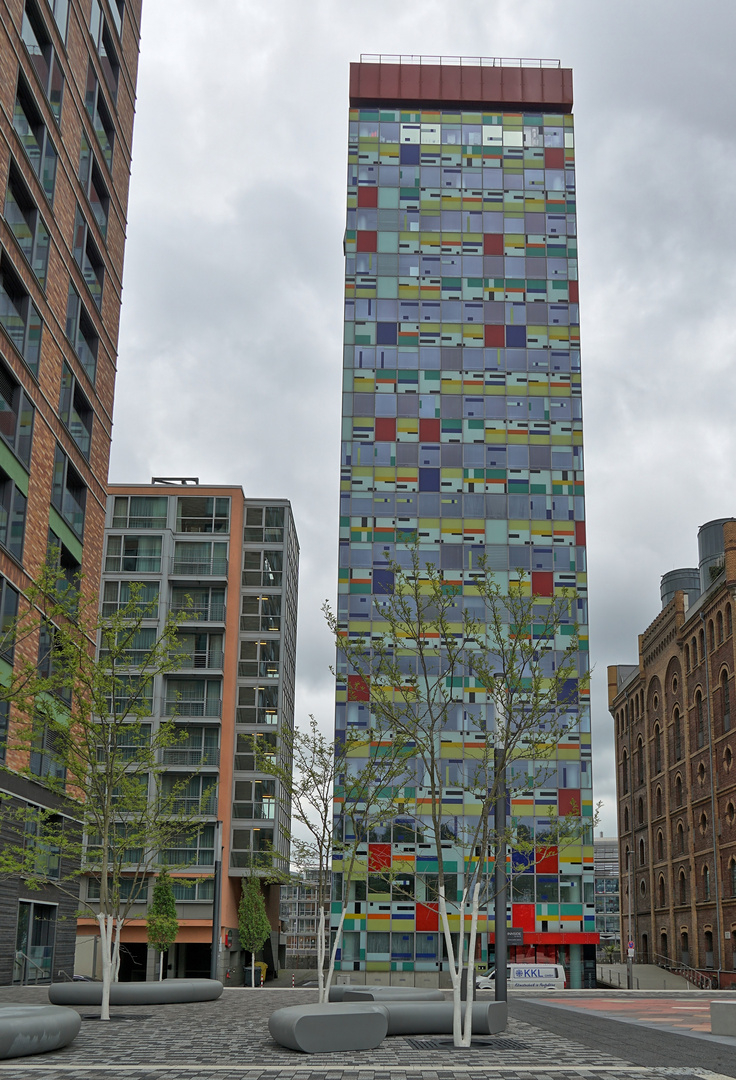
(526, 977)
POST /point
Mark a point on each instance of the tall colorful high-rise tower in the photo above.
(462, 429)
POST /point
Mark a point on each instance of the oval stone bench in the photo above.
(36, 1029)
(384, 993)
(353, 1025)
(391, 993)
(167, 992)
(326, 1029)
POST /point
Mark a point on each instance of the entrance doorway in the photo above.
(34, 943)
(133, 960)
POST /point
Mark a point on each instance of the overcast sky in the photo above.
(230, 345)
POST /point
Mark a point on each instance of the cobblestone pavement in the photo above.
(229, 1040)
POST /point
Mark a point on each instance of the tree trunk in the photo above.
(321, 953)
(455, 968)
(470, 976)
(119, 923)
(252, 971)
(333, 954)
(161, 966)
(105, 922)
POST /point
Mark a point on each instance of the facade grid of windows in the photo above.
(462, 436)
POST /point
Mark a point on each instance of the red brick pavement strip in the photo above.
(672, 1013)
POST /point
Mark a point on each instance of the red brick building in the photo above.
(676, 784)
(68, 94)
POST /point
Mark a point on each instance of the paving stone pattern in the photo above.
(229, 1040)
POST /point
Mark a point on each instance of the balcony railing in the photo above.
(199, 612)
(181, 756)
(199, 567)
(194, 805)
(179, 707)
(205, 659)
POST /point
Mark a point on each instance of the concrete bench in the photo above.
(35, 1029)
(723, 1018)
(362, 1025)
(435, 1017)
(389, 993)
(167, 992)
(325, 1029)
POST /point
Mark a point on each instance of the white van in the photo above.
(526, 977)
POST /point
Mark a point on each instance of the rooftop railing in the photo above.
(457, 61)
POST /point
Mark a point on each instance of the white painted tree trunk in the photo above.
(456, 967)
(105, 923)
(252, 971)
(161, 966)
(321, 953)
(467, 1033)
(333, 954)
(116, 949)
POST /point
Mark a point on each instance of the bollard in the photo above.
(293, 976)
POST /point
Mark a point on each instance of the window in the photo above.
(16, 415)
(35, 139)
(201, 889)
(198, 514)
(128, 886)
(105, 48)
(252, 847)
(660, 845)
(677, 735)
(683, 887)
(270, 533)
(659, 801)
(8, 613)
(261, 613)
(193, 697)
(678, 790)
(641, 812)
(75, 411)
(699, 720)
(192, 794)
(47, 668)
(94, 186)
(81, 333)
(140, 512)
(687, 658)
(625, 773)
(259, 660)
(47, 753)
(41, 836)
(60, 9)
(203, 604)
(732, 876)
(88, 258)
(203, 558)
(68, 492)
(255, 800)
(725, 702)
(642, 856)
(706, 883)
(263, 568)
(711, 636)
(132, 692)
(626, 819)
(729, 621)
(26, 224)
(68, 566)
(133, 554)
(99, 115)
(198, 650)
(19, 316)
(12, 516)
(43, 57)
(194, 746)
(657, 749)
(719, 626)
(661, 892)
(640, 761)
(118, 594)
(681, 847)
(132, 649)
(4, 712)
(258, 705)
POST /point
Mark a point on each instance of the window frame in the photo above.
(88, 258)
(75, 328)
(73, 401)
(18, 297)
(18, 403)
(34, 222)
(44, 43)
(99, 115)
(37, 129)
(14, 509)
(61, 487)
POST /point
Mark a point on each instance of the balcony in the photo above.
(206, 660)
(183, 756)
(177, 707)
(198, 568)
(199, 612)
(207, 805)
(266, 669)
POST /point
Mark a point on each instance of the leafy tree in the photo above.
(482, 691)
(338, 790)
(161, 921)
(83, 724)
(253, 925)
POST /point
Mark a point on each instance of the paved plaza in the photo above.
(580, 1035)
